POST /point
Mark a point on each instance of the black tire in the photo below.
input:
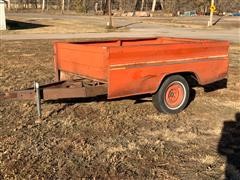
(173, 95)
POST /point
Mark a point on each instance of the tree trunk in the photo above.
(146, 7)
(43, 5)
(162, 4)
(9, 5)
(104, 6)
(96, 7)
(20, 4)
(27, 4)
(121, 5)
(154, 5)
(47, 5)
(68, 5)
(142, 5)
(36, 4)
(101, 5)
(23, 4)
(110, 25)
(135, 6)
(63, 7)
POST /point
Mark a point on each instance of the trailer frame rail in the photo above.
(78, 88)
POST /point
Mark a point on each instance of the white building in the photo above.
(2, 16)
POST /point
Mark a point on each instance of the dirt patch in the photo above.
(100, 138)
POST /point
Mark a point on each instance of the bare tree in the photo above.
(154, 5)
(9, 5)
(162, 4)
(168, 6)
(135, 6)
(142, 5)
(121, 5)
(20, 4)
(104, 6)
(63, 6)
(43, 5)
(35, 4)
(68, 5)
(110, 23)
(47, 5)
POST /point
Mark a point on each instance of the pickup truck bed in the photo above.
(139, 66)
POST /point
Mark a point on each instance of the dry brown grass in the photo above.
(104, 138)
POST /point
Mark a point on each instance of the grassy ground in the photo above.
(47, 25)
(100, 138)
(38, 23)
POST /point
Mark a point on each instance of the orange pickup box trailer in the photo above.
(126, 67)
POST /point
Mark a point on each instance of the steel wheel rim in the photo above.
(175, 95)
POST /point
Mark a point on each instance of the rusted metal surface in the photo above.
(137, 66)
(19, 95)
(65, 93)
(60, 90)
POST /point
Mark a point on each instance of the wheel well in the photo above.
(191, 78)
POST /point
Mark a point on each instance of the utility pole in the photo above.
(212, 10)
(109, 23)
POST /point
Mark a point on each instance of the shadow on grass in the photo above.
(222, 84)
(103, 98)
(215, 23)
(138, 99)
(18, 25)
(127, 25)
(229, 146)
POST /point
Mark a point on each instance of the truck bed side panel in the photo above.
(140, 69)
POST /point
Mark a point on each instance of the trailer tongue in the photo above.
(58, 90)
